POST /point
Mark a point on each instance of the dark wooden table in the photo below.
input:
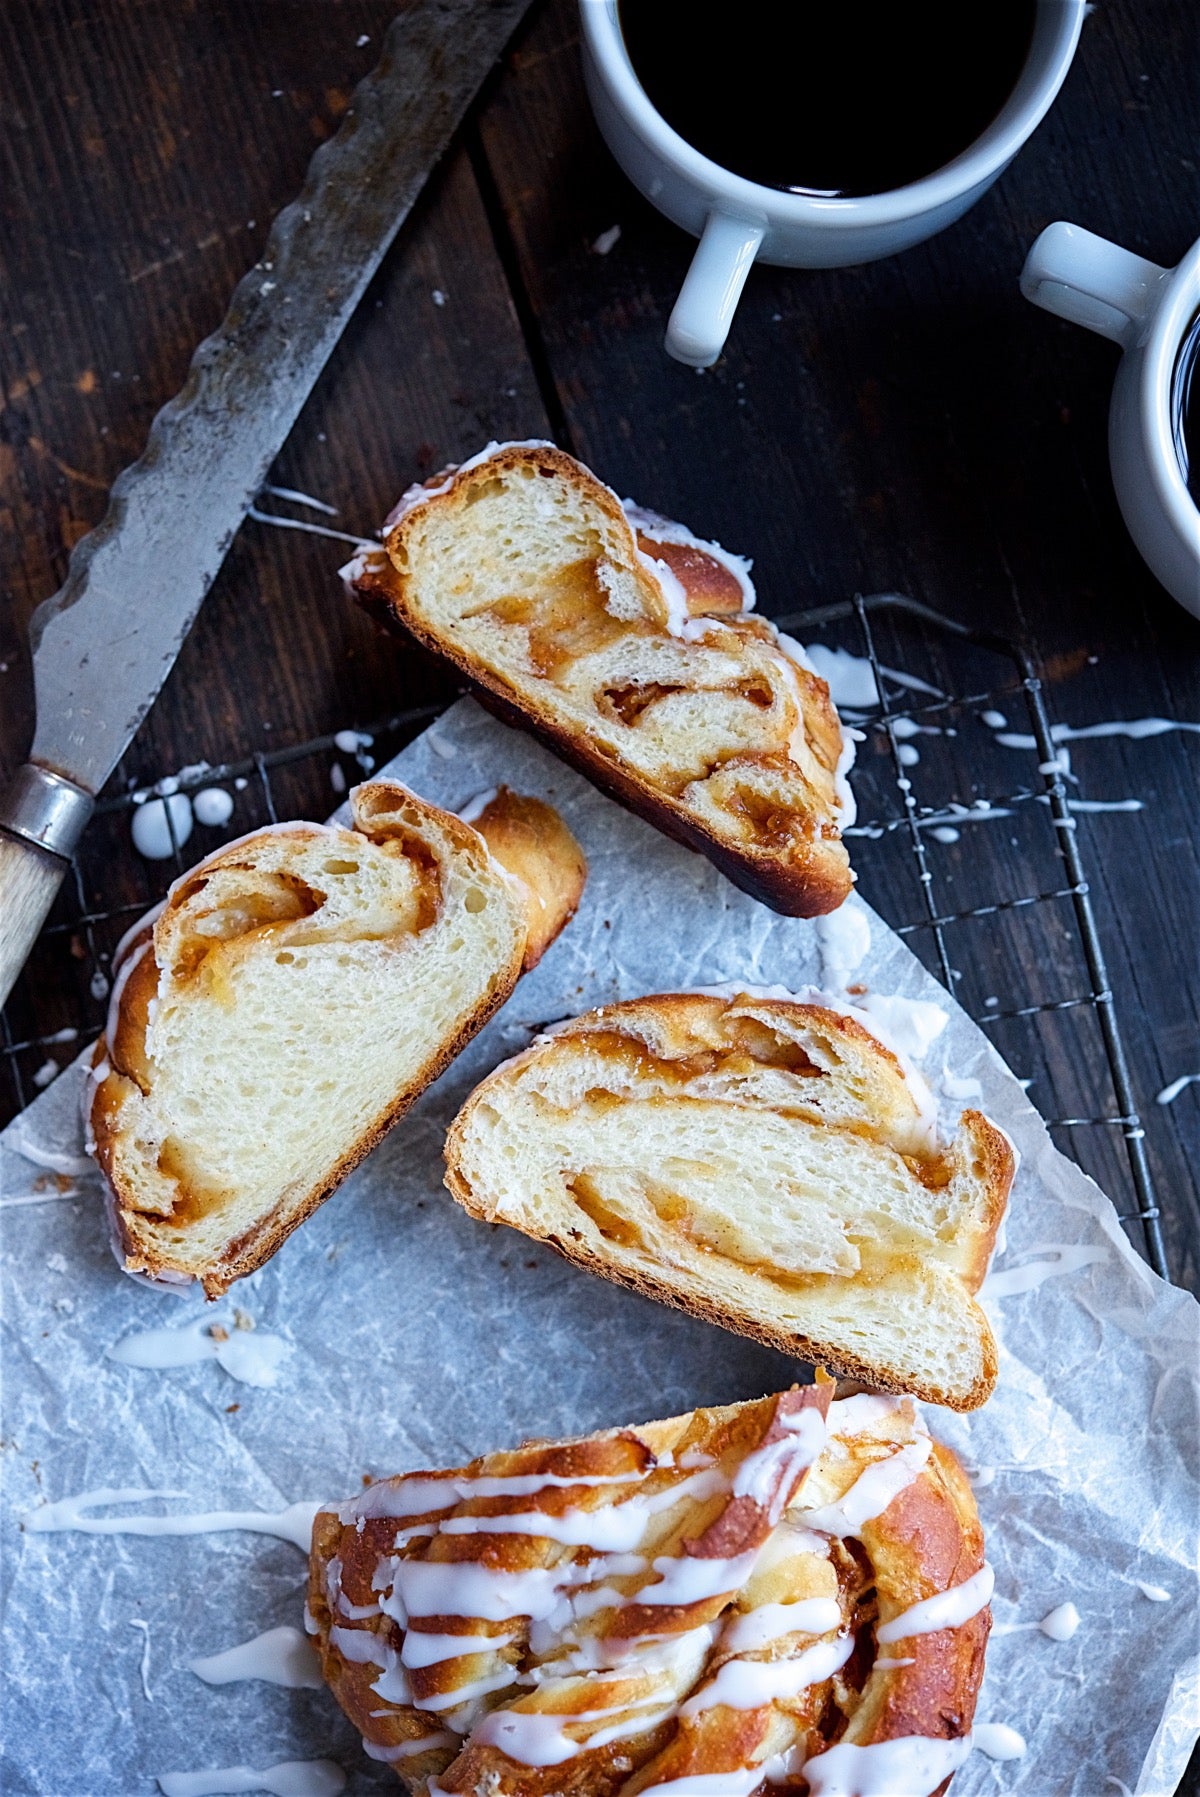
(910, 425)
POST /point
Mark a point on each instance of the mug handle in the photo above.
(712, 287)
(1084, 278)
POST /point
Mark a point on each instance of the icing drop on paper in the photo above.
(998, 1741)
(1061, 1623)
(1068, 1258)
(251, 1356)
(72, 1514)
(281, 1656)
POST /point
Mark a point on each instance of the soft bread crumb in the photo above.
(760, 1163)
(637, 663)
(297, 992)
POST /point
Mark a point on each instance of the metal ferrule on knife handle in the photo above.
(106, 641)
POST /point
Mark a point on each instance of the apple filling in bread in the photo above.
(632, 646)
(704, 1605)
(768, 1165)
(299, 988)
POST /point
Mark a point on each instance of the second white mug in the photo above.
(738, 221)
(1147, 310)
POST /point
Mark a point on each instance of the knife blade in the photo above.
(105, 642)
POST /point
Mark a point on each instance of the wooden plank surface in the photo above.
(912, 424)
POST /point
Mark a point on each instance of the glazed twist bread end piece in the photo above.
(764, 1163)
(295, 993)
(631, 646)
(750, 1599)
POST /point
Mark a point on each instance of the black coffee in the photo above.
(1185, 408)
(832, 99)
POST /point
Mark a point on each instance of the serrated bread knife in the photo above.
(106, 641)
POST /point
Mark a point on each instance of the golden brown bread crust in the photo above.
(537, 830)
(924, 1541)
(530, 841)
(801, 879)
(988, 1146)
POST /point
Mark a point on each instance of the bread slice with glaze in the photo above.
(294, 995)
(631, 646)
(765, 1164)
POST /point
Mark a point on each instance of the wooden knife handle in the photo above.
(29, 879)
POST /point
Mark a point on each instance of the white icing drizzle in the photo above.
(862, 1413)
(843, 937)
(419, 1496)
(251, 1356)
(464, 1588)
(339, 1601)
(1068, 1258)
(752, 1684)
(850, 678)
(680, 623)
(72, 1514)
(946, 1610)
(148, 918)
(1136, 729)
(711, 1784)
(280, 1656)
(617, 1529)
(910, 1766)
(421, 1649)
(912, 1024)
(291, 1778)
(997, 1740)
(1158, 1594)
(405, 1750)
(419, 495)
(120, 981)
(871, 1492)
(538, 1738)
(758, 1628)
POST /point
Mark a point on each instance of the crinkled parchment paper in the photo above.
(420, 1338)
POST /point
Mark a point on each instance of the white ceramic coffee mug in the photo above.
(738, 221)
(1147, 310)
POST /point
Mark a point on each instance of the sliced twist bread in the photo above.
(765, 1164)
(631, 646)
(297, 991)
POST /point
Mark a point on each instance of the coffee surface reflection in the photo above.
(838, 99)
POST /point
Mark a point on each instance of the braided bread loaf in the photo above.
(787, 1595)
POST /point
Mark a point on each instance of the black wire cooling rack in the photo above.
(982, 876)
